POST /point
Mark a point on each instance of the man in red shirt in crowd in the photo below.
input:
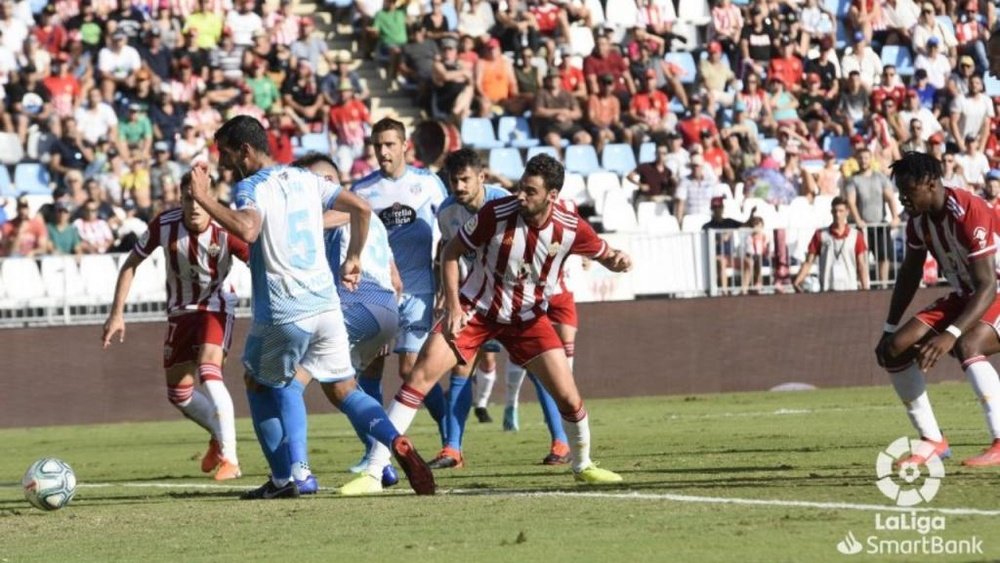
(889, 87)
(649, 107)
(23, 235)
(691, 126)
(607, 59)
(787, 67)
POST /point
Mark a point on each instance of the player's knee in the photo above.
(180, 395)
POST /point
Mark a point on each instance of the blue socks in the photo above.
(373, 387)
(293, 410)
(549, 410)
(459, 403)
(437, 405)
(265, 409)
(368, 417)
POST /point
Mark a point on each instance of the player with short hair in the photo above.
(370, 313)
(297, 321)
(521, 243)
(958, 229)
(406, 200)
(198, 254)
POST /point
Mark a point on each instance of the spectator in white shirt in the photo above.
(864, 60)
(476, 19)
(96, 119)
(913, 110)
(899, 17)
(971, 115)
(927, 27)
(95, 233)
(694, 194)
(974, 164)
(13, 32)
(120, 61)
(936, 64)
(243, 22)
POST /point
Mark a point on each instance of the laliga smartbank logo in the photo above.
(909, 473)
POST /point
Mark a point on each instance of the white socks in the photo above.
(911, 389)
(579, 441)
(986, 384)
(211, 381)
(401, 416)
(515, 376)
(484, 386)
(300, 471)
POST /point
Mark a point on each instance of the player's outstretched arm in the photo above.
(616, 260)
(244, 223)
(115, 323)
(454, 316)
(361, 213)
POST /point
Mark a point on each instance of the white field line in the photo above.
(669, 497)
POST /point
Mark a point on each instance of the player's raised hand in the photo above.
(114, 325)
(350, 273)
(928, 353)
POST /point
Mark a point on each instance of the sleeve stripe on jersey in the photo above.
(983, 251)
(604, 250)
(565, 218)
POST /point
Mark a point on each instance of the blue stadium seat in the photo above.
(477, 132)
(992, 85)
(900, 58)
(684, 60)
(582, 159)
(515, 132)
(839, 146)
(6, 186)
(32, 178)
(313, 142)
(618, 158)
(506, 162)
(543, 149)
(838, 8)
(647, 152)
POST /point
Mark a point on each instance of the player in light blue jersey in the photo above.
(297, 322)
(406, 200)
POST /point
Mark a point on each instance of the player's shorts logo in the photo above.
(906, 484)
(398, 215)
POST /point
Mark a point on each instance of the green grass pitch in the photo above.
(142, 497)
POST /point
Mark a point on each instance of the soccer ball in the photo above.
(49, 484)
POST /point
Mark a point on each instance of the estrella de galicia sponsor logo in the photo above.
(397, 215)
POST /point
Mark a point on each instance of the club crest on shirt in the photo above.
(518, 271)
(980, 235)
(415, 189)
(554, 248)
(214, 249)
(471, 224)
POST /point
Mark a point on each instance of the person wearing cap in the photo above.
(606, 60)
(50, 34)
(973, 164)
(556, 114)
(864, 60)
(206, 25)
(935, 145)
(163, 167)
(722, 229)
(495, 81)
(842, 254)
(717, 76)
(958, 80)
(136, 131)
(827, 68)
(341, 69)
(349, 121)
(971, 115)
(24, 235)
(935, 66)
(695, 192)
(927, 27)
(63, 238)
(913, 110)
(155, 54)
(118, 61)
(604, 116)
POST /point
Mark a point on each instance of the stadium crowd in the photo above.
(117, 98)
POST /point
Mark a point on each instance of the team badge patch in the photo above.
(554, 248)
(980, 235)
(471, 224)
(214, 249)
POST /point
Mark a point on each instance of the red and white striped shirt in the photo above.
(197, 263)
(518, 267)
(964, 233)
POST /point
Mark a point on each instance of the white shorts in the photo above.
(317, 344)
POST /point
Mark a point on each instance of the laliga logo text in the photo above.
(908, 486)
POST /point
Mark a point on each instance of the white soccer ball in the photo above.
(49, 484)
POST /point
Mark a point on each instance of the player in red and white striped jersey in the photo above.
(960, 231)
(521, 243)
(198, 254)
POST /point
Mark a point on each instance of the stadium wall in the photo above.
(61, 375)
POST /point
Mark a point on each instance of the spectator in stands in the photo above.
(245, 106)
(915, 141)
(716, 157)
(899, 17)
(365, 165)
(666, 73)
(971, 114)
(516, 26)
(63, 237)
(206, 24)
(227, 56)
(655, 181)
(63, 87)
(742, 150)
(95, 233)
(23, 235)
(716, 77)
(723, 240)
(205, 118)
(50, 32)
(991, 191)
(221, 91)
(929, 123)
(475, 19)
(695, 192)
(167, 121)
(606, 60)
(853, 107)
(757, 43)
(118, 63)
(863, 59)
(191, 146)
(556, 114)
(496, 85)
(389, 27)
(953, 176)
(69, 151)
(552, 22)
(816, 22)
(163, 167)
(928, 27)
(604, 117)
(649, 110)
(960, 77)
(787, 67)
(155, 56)
(827, 67)
(971, 34)
(529, 81)
(727, 25)
(300, 94)
(843, 262)
(973, 163)
(350, 122)
(416, 65)
(756, 248)
(96, 118)
(28, 100)
(784, 106)
(453, 83)
(868, 193)
(935, 145)
(696, 121)
(934, 64)
(135, 186)
(828, 178)
(677, 156)
(925, 91)
(265, 91)
(435, 23)
(754, 103)
(243, 22)
(136, 132)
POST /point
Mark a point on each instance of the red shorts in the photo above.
(942, 312)
(186, 333)
(524, 342)
(562, 309)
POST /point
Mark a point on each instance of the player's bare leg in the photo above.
(194, 405)
(553, 369)
(210, 360)
(972, 349)
(436, 401)
(898, 353)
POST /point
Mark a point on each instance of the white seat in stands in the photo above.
(23, 282)
(62, 279)
(599, 184)
(100, 273)
(618, 215)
